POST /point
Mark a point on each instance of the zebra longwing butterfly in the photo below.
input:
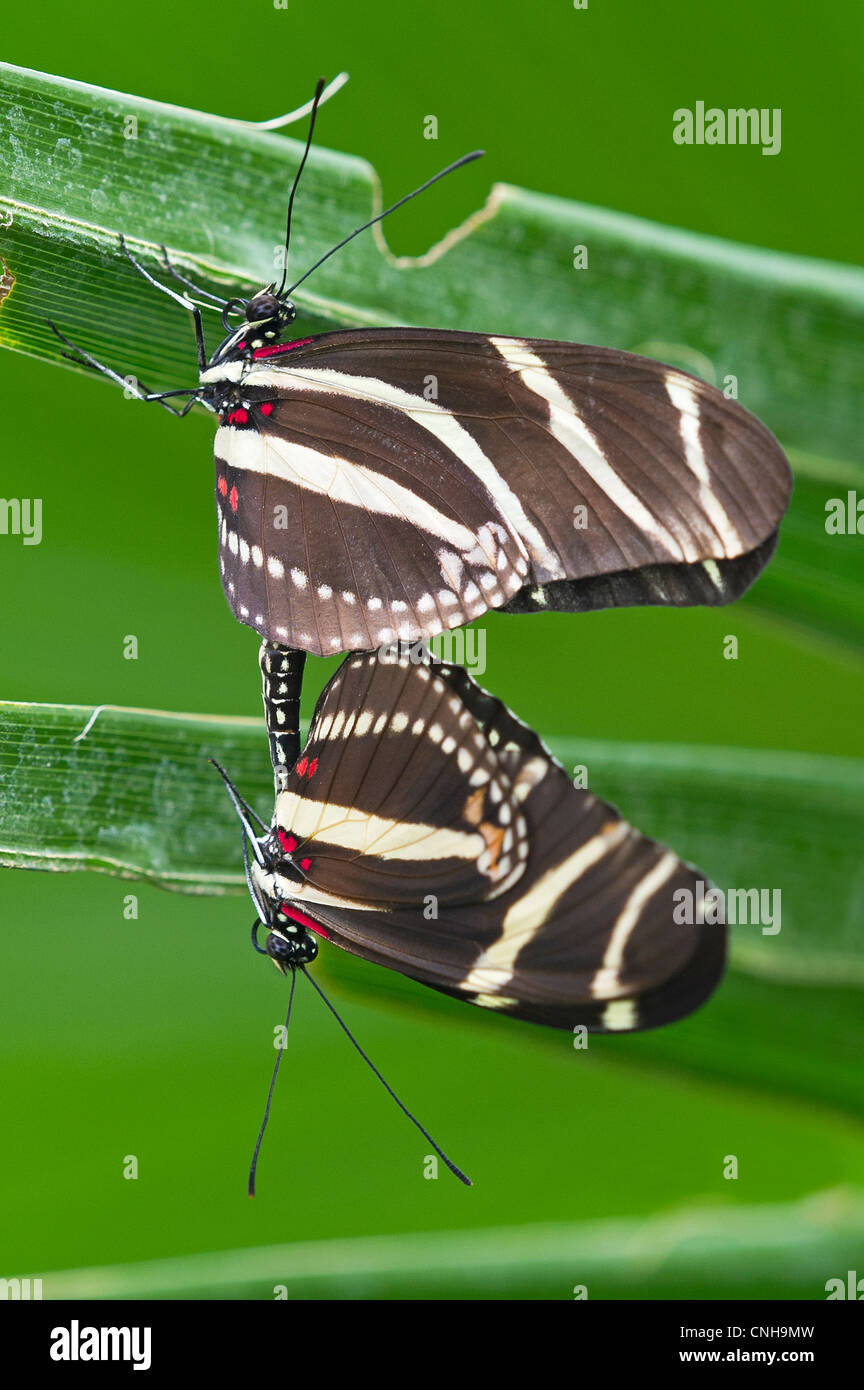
(384, 484)
(424, 828)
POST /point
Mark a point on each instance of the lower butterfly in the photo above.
(424, 828)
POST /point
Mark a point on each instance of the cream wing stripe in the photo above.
(292, 892)
(438, 421)
(607, 981)
(683, 397)
(620, 1015)
(338, 479)
(572, 432)
(327, 823)
(493, 970)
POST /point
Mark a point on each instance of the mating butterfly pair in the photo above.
(424, 827)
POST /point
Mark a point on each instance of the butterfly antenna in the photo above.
(254, 1164)
(457, 164)
(319, 88)
(457, 1172)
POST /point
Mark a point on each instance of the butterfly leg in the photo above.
(282, 677)
(129, 383)
(178, 299)
(190, 284)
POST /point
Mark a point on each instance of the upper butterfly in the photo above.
(386, 484)
(401, 516)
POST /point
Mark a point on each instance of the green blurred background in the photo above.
(153, 1038)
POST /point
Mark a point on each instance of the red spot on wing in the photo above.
(301, 766)
(305, 865)
(232, 498)
(313, 766)
(222, 486)
(240, 347)
(297, 916)
(238, 416)
(276, 348)
(267, 408)
(288, 843)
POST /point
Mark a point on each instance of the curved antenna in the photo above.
(227, 309)
(316, 101)
(457, 164)
(254, 1164)
(457, 1172)
(260, 949)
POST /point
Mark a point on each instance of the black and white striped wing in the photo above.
(576, 927)
(397, 794)
(393, 483)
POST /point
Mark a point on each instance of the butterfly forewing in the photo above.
(580, 931)
(396, 482)
(349, 528)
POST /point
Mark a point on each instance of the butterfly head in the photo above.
(287, 946)
(270, 877)
(268, 314)
(267, 317)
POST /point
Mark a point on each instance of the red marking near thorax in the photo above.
(267, 408)
(238, 416)
(280, 347)
(288, 843)
(222, 486)
(232, 498)
(302, 766)
(297, 916)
